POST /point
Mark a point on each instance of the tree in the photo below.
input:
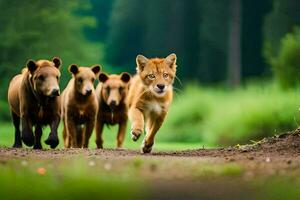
(213, 36)
(124, 41)
(281, 41)
(234, 54)
(41, 30)
(135, 29)
(207, 36)
(101, 10)
(281, 20)
(253, 15)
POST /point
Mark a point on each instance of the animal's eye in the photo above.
(121, 89)
(79, 80)
(41, 78)
(92, 79)
(57, 77)
(151, 76)
(165, 75)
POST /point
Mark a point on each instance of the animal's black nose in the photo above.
(113, 104)
(161, 86)
(88, 92)
(55, 92)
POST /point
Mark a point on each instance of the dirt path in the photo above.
(285, 147)
(221, 170)
(268, 156)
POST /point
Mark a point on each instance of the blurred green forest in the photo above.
(243, 54)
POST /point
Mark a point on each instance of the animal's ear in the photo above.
(57, 62)
(103, 77)
(31, 65)
(96, 69)
(171, 60)
(73, 69)
(141, 62)
(125, 77)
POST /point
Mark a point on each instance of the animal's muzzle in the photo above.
(113, 104)
(55, 93)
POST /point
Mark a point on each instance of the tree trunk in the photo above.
(234, 54)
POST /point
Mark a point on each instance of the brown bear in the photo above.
(33, 97)
(111, 93)
(79, 106)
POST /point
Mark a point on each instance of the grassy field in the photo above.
(57, 175)
(67, 179)
(222, 117)
(211, 117)
(7, 139)
(199, 117)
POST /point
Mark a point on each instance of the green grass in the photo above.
(218, 116)
(198, 116)
(278, 188)
(228, 169)
(81, 177)
(71, 179)
(109, 135)
(212, 117)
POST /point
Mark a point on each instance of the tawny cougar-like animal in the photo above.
(150, 95)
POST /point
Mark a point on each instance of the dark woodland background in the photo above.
(243, 52)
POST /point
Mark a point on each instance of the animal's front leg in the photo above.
(121, 133)
(71, 131)
(80, 131)
(137, 123)
(99, 130)
(52, 139)
(38, 134)
(153, 125)
(88, 132)
(16, 122)
(66, 136)
(27, 134)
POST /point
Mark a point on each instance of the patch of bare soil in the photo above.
(178, 174)
(284, 150)
(287, 144)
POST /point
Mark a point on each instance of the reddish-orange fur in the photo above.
(150, 96)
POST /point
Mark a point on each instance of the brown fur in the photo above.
(150, 96)
(111, 92)
(33, 98)
(79, 106)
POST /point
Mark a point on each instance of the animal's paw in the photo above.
(99, 144)
(17, 145)
(52, 141)
(28, 139)
(37, 146)
(135, 134)
(146, 148)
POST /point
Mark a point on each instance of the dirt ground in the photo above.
(284, 150)
(192, 173)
